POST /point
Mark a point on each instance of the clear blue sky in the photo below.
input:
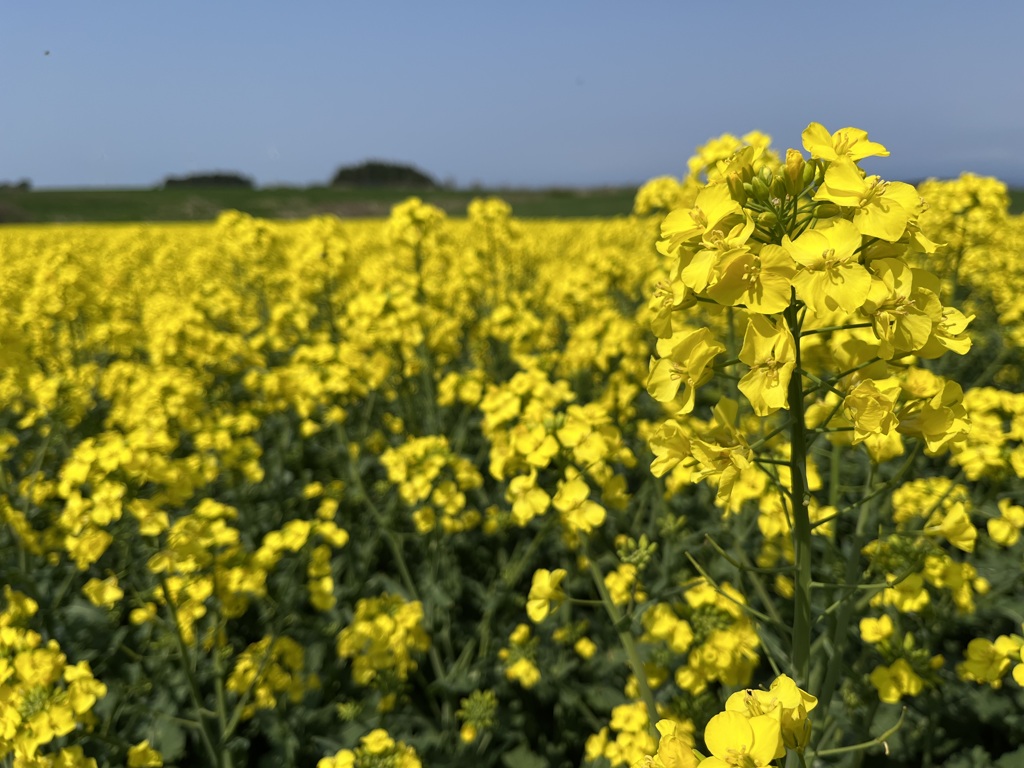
(501, 93)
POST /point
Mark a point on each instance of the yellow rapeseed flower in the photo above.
(545, 590)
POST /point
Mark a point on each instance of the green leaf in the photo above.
(167, 738)
(523, 757)
(1011, 759)
(603, 698)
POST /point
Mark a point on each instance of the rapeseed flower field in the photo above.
(733, 481)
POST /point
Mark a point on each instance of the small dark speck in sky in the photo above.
(46, 53)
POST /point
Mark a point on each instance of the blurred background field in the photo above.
(205, 203)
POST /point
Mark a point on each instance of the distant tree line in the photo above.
(218, 179)
(372, 173)
(375, 173)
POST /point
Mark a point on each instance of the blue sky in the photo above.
(514, 93)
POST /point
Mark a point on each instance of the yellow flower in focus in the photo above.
(769, 351)
(666, 301)
(902, 309)
(713, 206)
(783, 700)
(939, 420)
(675, 747)
(683, 363)
(736, 741)
(882, 208)
(832, 277)
(759, 281)
(870, 407)
(670, 446)
(700, 266)
(545, 590)
(844, 144)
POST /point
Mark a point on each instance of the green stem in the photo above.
(842, 623)
(878, 740)
(628, 645)
(193, 683)
(801, 517)
(879, 490)
(399, 559)
(832, 328)
(843, 374)
(222, 706)
(762, 617)
(243, 701)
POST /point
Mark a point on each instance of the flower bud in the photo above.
(760, 190)
(827, 210)
(794, 173)
(810, 173)
(778, 187)
(765, 175)
(767, 220)
(737, 189)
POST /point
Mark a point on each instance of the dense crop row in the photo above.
(485, 491)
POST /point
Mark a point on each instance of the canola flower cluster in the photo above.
(805, 249)
(42, 696)
(370, 491)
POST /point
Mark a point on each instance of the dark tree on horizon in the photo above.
(377, 173)
(215, 179)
